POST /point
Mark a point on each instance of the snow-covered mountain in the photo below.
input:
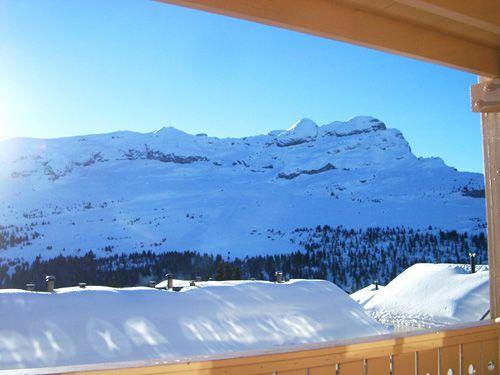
(169, 190)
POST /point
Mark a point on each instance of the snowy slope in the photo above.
(101, 324)
(429, 295)
(169, 190)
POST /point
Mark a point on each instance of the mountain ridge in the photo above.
(167, 189)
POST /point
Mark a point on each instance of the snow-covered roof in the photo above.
(364, 295)
(429, 295)
(99, 324)
(177, 283)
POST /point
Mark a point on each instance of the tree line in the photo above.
(350, 258)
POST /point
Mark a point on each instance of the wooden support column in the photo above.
(486, 100)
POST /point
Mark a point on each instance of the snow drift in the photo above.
(101, 324)
(430, 295)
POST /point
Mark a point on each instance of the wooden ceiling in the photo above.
(464, 34)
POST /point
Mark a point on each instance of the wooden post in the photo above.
(486, 99)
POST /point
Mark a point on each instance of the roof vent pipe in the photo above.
(30, 287)
(152, 283)
(82, 285)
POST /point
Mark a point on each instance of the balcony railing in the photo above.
(470, 349)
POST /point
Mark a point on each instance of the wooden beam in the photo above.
(480, 13)
(329, 19)
(491, 149)
(450, 19)
(485, 96)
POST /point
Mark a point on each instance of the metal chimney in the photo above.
(279, 277)
(51, 281)
(472, 260)
(376, 284)
(170, 280)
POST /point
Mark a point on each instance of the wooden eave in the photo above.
(463, 34)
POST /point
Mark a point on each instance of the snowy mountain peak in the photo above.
(356, 125)
(304, 124)
(305, 130)
(363, 120)
(169, 131)
(366, 123)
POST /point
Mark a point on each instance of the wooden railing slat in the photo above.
(489, 353)
(323, 370)
(428, 362)
(378, 366)
(352, 368)
(450, 359)
(471, 356)
(404, 364)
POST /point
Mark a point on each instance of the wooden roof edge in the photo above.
(332, 20)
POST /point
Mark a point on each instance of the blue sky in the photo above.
(71, 67)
